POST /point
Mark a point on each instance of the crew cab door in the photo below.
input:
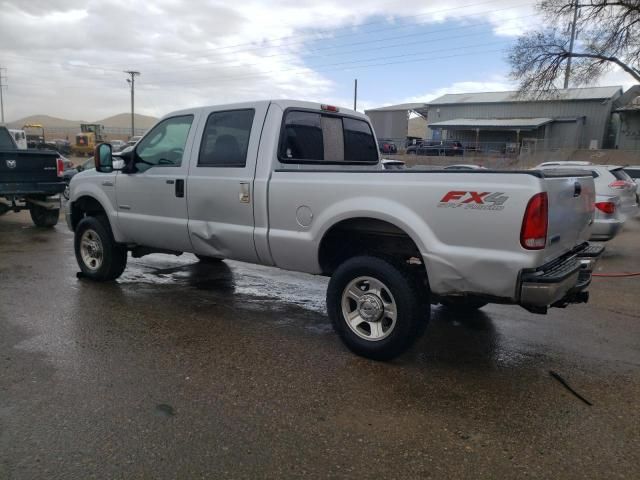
(151, 202)
(220, 184)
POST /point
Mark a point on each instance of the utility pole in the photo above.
(132, 82)
(567, 72)
(355, 94)
(2, 85)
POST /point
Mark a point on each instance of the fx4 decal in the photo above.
(474, 200)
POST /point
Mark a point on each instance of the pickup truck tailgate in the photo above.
(571, 197)
(28, 166)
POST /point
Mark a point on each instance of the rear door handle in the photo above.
(179, 188)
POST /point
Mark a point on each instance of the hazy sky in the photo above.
(66, 57)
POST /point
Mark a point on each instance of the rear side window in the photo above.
(620, 174)
(226, 139)
(633, 172)
(311, 137)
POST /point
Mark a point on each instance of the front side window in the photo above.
(315, 138)
(225, 140)
(164, 145)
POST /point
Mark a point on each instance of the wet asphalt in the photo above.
(182, 370)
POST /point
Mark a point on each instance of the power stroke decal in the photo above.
(474, 200)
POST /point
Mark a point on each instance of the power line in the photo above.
(233, 64)
(342, 65)
(329, 31)
(345, 52)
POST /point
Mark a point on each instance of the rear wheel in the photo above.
(375, 306)
(99, 256)
(44, 217)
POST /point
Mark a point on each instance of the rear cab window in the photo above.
(326, 138)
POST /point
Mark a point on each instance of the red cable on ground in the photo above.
(613, 275)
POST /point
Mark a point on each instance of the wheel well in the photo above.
(358, 236)
(85, 207)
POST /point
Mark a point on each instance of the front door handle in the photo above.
(179, 188)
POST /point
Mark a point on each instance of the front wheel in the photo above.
(99, 256)
(376, 307)
(44, 217)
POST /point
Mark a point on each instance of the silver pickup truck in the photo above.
(299, 186)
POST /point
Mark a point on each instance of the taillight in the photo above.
(619, 184)
(606, 207)
(533, 235)
(329, 108)
(59, 166)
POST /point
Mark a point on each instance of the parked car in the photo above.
(388, 164)
(71, 171)
(464, 167)
(607, 220)
(385, 146)
(133, 140)
(30, 180)
(59, 145)
(282, 199)
(435, 149)
(118, 145)
(617, 197)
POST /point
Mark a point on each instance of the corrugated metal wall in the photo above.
(390, 125)
(629, 137)
(597, 113)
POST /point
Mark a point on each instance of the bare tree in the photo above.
(608, 35)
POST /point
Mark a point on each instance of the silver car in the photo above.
(616, 196)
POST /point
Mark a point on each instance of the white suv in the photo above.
(616, 196)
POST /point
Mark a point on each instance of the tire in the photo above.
(382, 338)
(98, 255)
(462, 304)
(204, 259)
(44, 217)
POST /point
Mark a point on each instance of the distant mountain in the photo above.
(47, 121)
(122, 120)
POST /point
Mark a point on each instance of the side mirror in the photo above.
(103, 158)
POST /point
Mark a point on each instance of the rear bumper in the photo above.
(31, 188)
(560, 282)
(603, 230)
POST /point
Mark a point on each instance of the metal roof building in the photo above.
(392, 123)
(575, 118)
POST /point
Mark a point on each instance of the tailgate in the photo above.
(571, 208)
(28, 166)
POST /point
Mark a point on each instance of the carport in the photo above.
(474, 125)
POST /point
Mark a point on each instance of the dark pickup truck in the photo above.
(30, 180)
